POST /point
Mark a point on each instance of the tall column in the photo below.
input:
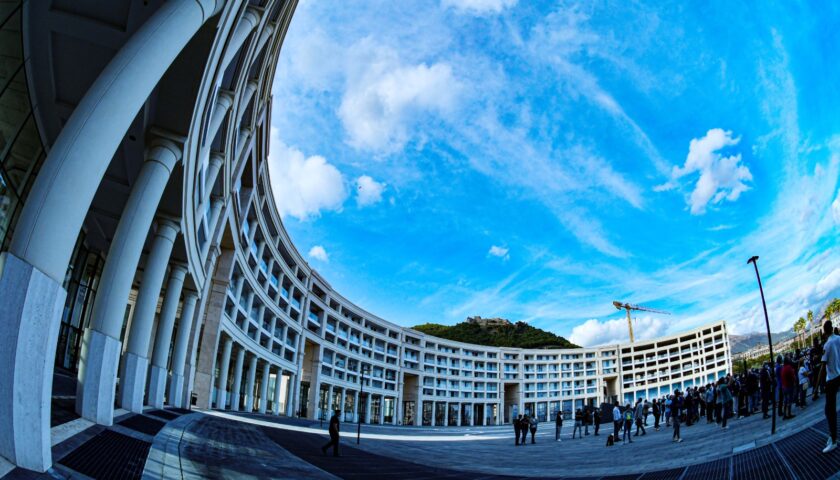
(31, 291)
(221, 391)
(266, 373)
(249, 388)
(368, 402)
(243, 28)
(101, 344)
(163, 337)
(215, 214)
(278, 382)
(237, 380)
(418, 407)
(179, 354)
(341, 404)
(135, 360)
(292, 400)
(198, 320)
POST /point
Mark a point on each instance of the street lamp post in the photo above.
(754, 261)
(359, 407)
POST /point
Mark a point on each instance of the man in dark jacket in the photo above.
(596, 417)
(334, 429)
(517, 427)
(558, 424)
(523, 429)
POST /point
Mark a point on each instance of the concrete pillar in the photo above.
(179, 354)
(135, 361)
(163, 337)
(237, 380)
(341, 405)
(191, 367)
(31, 290)
(101, 344)
(266, 373)
(215, 214)
(249, 387)
(381, 409)
(293, 392)
(329, 406)
(214, 166)
(243, 28)
(278, 382)
(368, 402)
(221, 391)
(446, 414)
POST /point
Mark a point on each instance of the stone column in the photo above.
(163, 337)
(266, 373)
(31, 290)
(215, 214)
(249, 387)
(382, 409)
(135, 361)
(243, 28)
(418, 407)
(221, 391)
(278, 382)
(179, 354)
(368, 402)
(101, 344)
(292, 395)
(214, 165)
(237, 379)
(341, 405)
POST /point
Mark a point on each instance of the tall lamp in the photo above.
(754, 261)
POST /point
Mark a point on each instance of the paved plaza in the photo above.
(182, 444)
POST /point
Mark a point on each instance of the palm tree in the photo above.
(799, 327)
(810, 321)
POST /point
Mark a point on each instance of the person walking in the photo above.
(640, 417)
(646, 411)
(533, 427)
(596, 418)
(766, 386)
(676, 404)
(831, 373)
(517, 427)
(657, 412)
(523, 429)
(804, 379)
(578, 424)
(788, 387)
(334, 434)
(587, 419)
(724, 399)
(616, 421)
(668, 402)
(629, 416)
(558, 424)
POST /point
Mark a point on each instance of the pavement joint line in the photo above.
(345, 434)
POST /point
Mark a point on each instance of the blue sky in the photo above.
(442, 159)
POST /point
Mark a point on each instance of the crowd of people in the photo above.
(788, 381)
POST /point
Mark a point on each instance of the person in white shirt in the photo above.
(617, 421)
(804, 375)
(831, 370)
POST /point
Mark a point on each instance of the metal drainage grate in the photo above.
(803, 452)
(109, 455)
(673, 474)
(718, 469)
(759, 463)
(143, 424)
(163, 414)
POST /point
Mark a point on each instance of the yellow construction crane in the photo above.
(628, 307)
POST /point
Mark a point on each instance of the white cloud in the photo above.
(721, 178)
(303, 186)
(721, 227)
(479, 7)
(835, 209)
(501, 252)
(383, 97)
(594, 332)
(368, 191)
(319, 253)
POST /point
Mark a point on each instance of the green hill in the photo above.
(496, 332)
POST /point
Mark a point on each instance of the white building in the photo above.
(140, 241)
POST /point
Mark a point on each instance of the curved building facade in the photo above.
(144, 258)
